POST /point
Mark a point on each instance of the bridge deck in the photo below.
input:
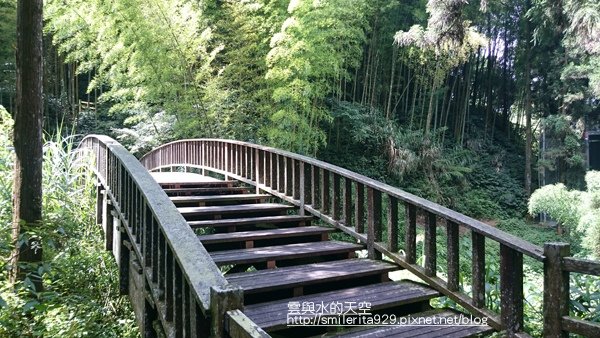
(286, 266)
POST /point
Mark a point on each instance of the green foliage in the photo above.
(314, 50)
(8, 37)
(150, 55)
(81, 297)
(577, 210)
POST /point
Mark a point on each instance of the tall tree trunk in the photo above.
(27, 193)
(391, 90)
(527, 102)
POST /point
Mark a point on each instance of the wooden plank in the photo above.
(183, 178)
(241, 236)
(579, 265)
(283, 219)
(289, 277)
(409, 331)
(272, 316)
(219, 198)
(206, 191)
(581, 327)
(282, 252)
(234, 209)
(556, 289)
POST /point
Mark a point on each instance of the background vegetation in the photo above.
(472, 105)
(80, 297)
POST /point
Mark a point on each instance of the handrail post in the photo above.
(556, 289)
(511, 290)
(222, 299)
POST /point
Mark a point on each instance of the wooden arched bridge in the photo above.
(220, 238)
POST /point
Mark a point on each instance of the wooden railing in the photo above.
(557, 269)
(163, 266)
(350, 201)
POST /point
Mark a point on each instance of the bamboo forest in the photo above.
(487, 109)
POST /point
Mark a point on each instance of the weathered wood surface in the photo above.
(556, 290)
(205, 191)
(238, 325)
(584, 266)
(272, 315)
(283, 252)
(581, 327)
(239, 209)
(172, 178)
(283, 219)
(410, 331)
(289, 277)
(220, 198)
(241, 236)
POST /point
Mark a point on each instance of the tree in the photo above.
(309, 59)
(27, 193)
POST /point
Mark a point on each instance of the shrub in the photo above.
(81, 280)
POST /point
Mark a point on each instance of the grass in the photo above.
(80, 297)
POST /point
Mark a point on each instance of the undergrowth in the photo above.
(81, 295)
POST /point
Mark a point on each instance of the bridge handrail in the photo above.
(157, 234)
(488, 231)
(306, 182)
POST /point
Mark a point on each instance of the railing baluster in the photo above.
(187, 315)
(374, 222)
(453, 245)
(297, 174)
(359, 216)
(316, 187)
(478, 273)
(325, 191)
(282, 174)
(430, 245)
(308, 182)
(337, 198)
(289, 177)
(410, 245)
(392, 224)
(169, 285)
(178, 308)
(347, 202)
(148, 229)
(511, 289)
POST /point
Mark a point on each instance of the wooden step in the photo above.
(245, 236)
(299, 276)
(271, 254)
(204, 200)
(206, 191)
(174, 177)
(214, 184)
(263, 209)
(232, 222)
(272, 316)
(423, 331)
